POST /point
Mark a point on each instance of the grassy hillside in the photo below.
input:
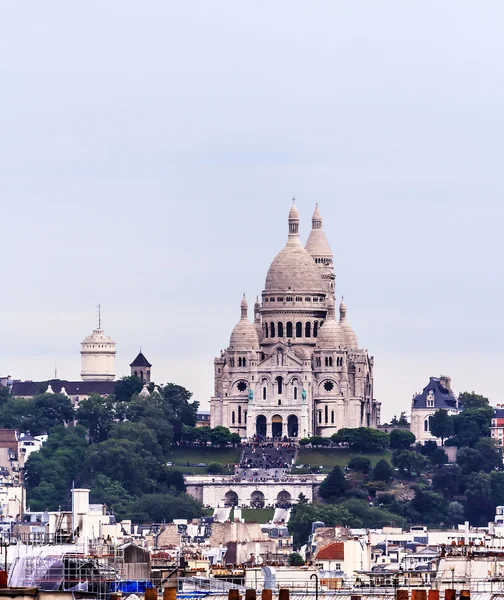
(330, 457)
(185, 458)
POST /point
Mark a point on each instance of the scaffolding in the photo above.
(71, 571)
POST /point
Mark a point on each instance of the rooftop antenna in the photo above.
(55, 370)
(99, 316)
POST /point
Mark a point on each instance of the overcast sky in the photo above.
(149, 152)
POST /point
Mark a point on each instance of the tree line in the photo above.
(116, 445)
(414, 484)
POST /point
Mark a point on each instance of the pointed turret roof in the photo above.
(317, 244)
(140, 361)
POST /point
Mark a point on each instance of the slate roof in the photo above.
(140, 361)
(443, 398)
(498, 413)
(72, 388)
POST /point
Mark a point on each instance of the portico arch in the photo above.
(284, 497)
(292, 426)
(231, 498)
(261, 425)
(257, 499)
(276, 426)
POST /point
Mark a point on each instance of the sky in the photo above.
(149, 152)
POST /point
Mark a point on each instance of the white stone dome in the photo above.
(293, 270)
(330, 334)
(349, 333)
(317, 244)
(244, 336)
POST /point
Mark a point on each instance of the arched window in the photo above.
(326, 414)
(332, 417)
(265, 330)
(245, 416)
(299, 329)
(320, 416)
(330, 361)
(279, 402)
(272, 330)
(289, 329)
(308, 329)
(279, 381)
(136, 374)
(295, 393)
(280, 329)
(326, 361)
(264, 393)
(315, 329)
(233, 417)
(239, 414)
(244, 362)
(239, 361)
(141, 374)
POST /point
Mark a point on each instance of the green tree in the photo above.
(430, 506)
(49, 473)
(479, 506)
(441, 425)
(497, 487)
(214, 468)
(304, 441)
(104, 490)
(455, 513)
(183, 411)
(382, 471)
(447, 480)
(469, 460)
(408, 462)
(163, 508)
(363, 439)
(296, 560)
(491, 455)
(334, 484)
(318, 440)
(471, 400)
(361, 464)
(438, 457)
(96, 413)
(170, 480)
(401, 439)
(127, 387)
(220, 436)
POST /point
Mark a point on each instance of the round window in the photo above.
(242, 386)
(328, 386)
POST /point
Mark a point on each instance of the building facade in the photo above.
(436, 395)
(497, 428)
(295, 371)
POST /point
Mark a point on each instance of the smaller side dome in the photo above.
(349, 333)
(244, 336)
(303, 353)
(330, 334)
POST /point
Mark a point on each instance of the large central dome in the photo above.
(293, 268)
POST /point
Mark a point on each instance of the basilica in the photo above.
(296, 370)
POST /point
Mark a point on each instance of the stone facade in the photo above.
(295, 371)
(221, 491)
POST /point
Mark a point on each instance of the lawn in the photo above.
(182, 456)
(257, 515)
(330, 457)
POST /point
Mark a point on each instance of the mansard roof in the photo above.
(443, 398)
(72, 388)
